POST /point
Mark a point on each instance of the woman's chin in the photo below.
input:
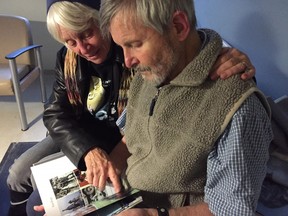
(96, 60)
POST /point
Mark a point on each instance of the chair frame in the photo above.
(11, 57)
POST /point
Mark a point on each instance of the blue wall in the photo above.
(257, 27)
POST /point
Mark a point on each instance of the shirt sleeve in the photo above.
(236, 166)
(121, 121)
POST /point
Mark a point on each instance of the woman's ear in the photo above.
(181, 25)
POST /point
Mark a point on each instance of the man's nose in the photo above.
(130, 60)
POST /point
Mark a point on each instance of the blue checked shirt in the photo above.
(236, 166)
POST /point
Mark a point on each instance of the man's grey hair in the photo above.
(155, 14)
(72, 16)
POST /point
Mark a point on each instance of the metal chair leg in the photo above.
(42, 83)
(18, 95)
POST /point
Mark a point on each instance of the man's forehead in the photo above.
(126, 20)
(126, 30)
(121, 32)
(124, 25)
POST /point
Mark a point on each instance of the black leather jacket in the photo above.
(78, 132)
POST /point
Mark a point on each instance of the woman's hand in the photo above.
(100, 168)
(230, 62)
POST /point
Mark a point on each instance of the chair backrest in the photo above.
(15, 33)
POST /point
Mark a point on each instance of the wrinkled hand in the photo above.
(100, 168)
(230, 62)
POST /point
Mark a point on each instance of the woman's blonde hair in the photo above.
(78, 18)
(72, 16)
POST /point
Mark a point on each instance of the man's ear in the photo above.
(181, 25)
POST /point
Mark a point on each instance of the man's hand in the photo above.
(138, 212)
(196, 209)
(230, 62)
(100, 168)
(39, 208)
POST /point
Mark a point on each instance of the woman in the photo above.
(89, 94)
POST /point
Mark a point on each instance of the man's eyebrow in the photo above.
(129, 42)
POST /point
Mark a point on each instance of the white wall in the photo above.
(35, 11)
(257, 27)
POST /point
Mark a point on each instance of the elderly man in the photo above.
(197, 146)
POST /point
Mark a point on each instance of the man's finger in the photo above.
(39, 208)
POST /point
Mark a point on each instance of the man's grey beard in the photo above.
(157, 78)
(162, 73)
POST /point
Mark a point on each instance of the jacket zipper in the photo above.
(153, 102)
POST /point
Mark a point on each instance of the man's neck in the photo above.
(190, 48)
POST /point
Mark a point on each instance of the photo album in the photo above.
(64, 190)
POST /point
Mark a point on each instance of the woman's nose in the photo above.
(83, 47)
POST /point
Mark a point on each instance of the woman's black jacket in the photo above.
(78, 132)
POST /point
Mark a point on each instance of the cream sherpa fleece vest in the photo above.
(170, 148)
